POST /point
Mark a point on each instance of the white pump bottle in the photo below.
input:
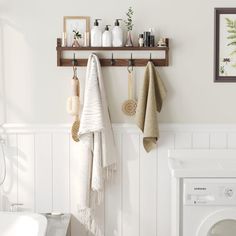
(117, 35)
(107, 37)
(96, 35)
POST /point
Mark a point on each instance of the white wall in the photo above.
(37, 89)
(42, 174)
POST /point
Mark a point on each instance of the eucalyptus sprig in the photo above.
(129, 22)
(77, 34)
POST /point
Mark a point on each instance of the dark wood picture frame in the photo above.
(217, 76)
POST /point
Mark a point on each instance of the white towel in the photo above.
(97, 144)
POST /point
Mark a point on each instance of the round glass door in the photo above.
(223, 228)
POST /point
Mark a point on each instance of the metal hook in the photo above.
(74, 61)
(150, 59)
(112, 60)
(130, 64)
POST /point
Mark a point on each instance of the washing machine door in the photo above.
(220, 223)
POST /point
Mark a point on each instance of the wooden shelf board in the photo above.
(112, 48)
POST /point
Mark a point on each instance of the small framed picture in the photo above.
(225, 45)
(79, 24)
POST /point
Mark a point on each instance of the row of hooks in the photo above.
(129, 65)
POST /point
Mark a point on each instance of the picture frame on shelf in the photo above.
(225, 45)
(79, 24)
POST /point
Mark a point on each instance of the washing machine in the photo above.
(208, 207)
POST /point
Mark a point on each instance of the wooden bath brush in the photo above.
(129, 106)
(73, 106)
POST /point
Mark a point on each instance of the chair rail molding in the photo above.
(168, 127)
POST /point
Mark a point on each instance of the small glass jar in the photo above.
(140, 40)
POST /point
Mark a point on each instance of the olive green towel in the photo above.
(149, 102)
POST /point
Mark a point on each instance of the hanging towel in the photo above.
(149, 102)
(97, 145)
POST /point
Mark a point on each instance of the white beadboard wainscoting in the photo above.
(42, 165)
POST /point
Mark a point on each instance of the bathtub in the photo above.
(22, 224)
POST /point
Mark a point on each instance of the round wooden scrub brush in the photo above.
(129, 106)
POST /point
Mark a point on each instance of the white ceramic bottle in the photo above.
(117, 35)
(106, 37)
(96, 35)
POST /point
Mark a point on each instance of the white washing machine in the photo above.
(209, 207)
(203, 192)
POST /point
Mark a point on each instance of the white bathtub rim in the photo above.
(41, 219)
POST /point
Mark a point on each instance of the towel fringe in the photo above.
(87, 215)
(110, 172)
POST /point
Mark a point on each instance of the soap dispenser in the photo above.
(106, 37)
(96, 35)
(117, 35)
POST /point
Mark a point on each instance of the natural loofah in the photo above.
(73, 105)
(75, 87)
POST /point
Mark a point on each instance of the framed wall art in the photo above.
(225, 45)
(80, 24)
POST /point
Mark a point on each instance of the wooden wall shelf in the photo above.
(115, 61)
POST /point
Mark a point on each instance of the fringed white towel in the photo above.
(98, 155)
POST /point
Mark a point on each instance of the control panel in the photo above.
(209, 193)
